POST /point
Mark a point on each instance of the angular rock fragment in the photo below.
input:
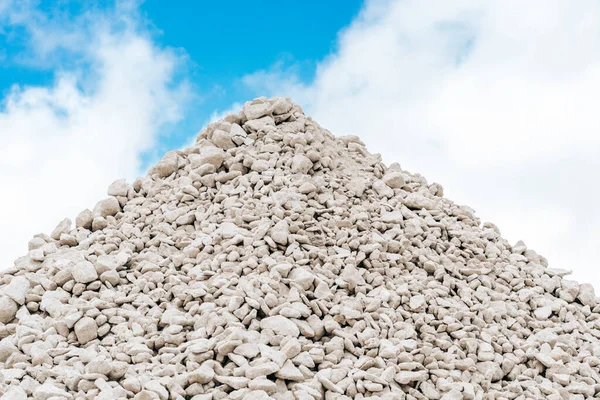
(393, 179)
(86, 330)
(209, 155)
(8, 309)
(84, 219)
(63, 227)
(107, 207)
(84, 272)
(301, 164)
(118, 188)
(167, 165)
(280, 325)
(17, 289)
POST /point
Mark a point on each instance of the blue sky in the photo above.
(494, 100)
(226, 40)
(218, 42)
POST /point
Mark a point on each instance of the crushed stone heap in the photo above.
(272, 260)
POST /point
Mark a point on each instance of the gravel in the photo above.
(273, 260)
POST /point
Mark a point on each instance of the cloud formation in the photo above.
(61, 145)
(496, 100)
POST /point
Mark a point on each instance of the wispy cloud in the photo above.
(496, 100)
(62, 145)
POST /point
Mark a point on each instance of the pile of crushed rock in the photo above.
(272, 260)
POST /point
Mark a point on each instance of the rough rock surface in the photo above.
(273, 260)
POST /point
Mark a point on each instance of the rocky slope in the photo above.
(274, 260)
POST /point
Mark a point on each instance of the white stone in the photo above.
(8, 309)
(84, 219)
(290, 372)
(107, 207)
(260, 165)
(406, 377)
(257, 395)
(63, 226)
(201, 375)
(247, 350)
(111, 277)
(281, 106)
(167, 165)
(280, 232)
(417, 302)
(393, 179)
(7, 348)
(17, 289)
(417, 201)
(210, 155)
(453, 394)
(490, 370)
(263, 384)
(586, 295)
(291, 348)
(118, 188)
(395, 217)
(569, 290)
(545, 359)
(256, 111)
(156, 387)
(235, 382)
(222, 140)
(263, 369)
(237, 130)
(543, 313)
(301, 164)
(84, 272)
(14, 393)
(382, 189)
(280, 325)
(307, 187)
(302, 277)
(357, 186)
(86, 330)
(50, 391)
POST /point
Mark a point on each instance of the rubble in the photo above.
(273, 260)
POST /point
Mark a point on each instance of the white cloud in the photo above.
(495, 99)
(62, 145)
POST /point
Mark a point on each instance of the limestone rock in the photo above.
(406, 377)
(586, 295)
(167, 165)
(301, 164)
(84, 272)
(86, 330)
(107, 207)
(8, 309)
(393, 179)
(49, 390)
(302, 277)
(84, 219)
(222, 140)
(17, 289)
(280, 232)
(118, 188)
(209, 155)
(382, 189)
(15, 393)
(280, 325)
(63, 227)
(272, 260)
(256, 111)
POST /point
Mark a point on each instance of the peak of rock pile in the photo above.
(272, 260)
